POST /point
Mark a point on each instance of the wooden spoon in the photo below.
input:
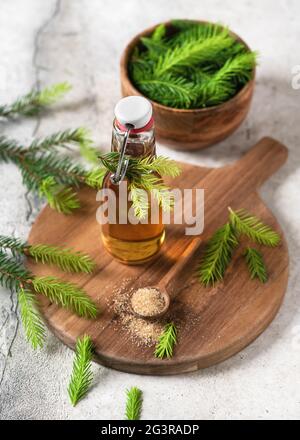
(170, 276)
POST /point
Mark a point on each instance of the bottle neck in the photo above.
(141, 143)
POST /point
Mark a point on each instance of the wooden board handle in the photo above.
(263, 160)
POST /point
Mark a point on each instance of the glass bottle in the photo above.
(132, 135)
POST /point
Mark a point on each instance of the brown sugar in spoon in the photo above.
(164, 283)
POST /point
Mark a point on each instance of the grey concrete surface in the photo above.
(81, 41)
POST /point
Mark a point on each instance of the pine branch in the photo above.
(224, 84)
(36, 169)
(144, 175)
(31, 319)
(14, 245)
(66, 259)
(256, 265)
(66, 295)
(94, 178)
(79, 137)
(140, 201)
(86, 145)
(192, 52)
(159, 33)
(61, 199)
(133, 404)
(164, 166)
(12, 272)
(10, 150)
(81, 378)
(166, 342)
(33, 102)
(169, 90)
(164, 197)
(190, 32)
(155, 47)
(200, 65)
(217, 255)
(253, 228)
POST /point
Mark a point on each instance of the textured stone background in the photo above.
(81, 41)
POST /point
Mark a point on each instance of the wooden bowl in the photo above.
(196, 128)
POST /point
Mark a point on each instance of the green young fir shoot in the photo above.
(49, 173)
(143, 174)
(79, 137)
(249, 225)
(33, 102)
(14, 276)
(66, 259)
(81, 378)
(197, 65)
(217, 255)
(15, 245)
(66, 295)
(256, 265)
(166, 342)
(133, 404)
(61, 199)
(31, 318)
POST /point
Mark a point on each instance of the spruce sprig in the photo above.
(65, 258)
(220, 247)
(33, 102)
(220, 86)
(14, 276)
(166, 342)
(144, 176)
(217, 255)
(249, 225)
(61, 199)
(134, 403)
(81, 377)
(31, 318)
(256, 264)
(67, 295)
(195, 65)
(79, 137)
(45, 172)
(192, 52)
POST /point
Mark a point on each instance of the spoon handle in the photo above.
(182, 261)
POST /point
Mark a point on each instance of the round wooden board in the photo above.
(215, 322)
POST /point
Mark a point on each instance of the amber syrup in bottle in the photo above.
(127, 242)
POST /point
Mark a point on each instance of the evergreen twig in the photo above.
(217, 255)
(12, 272)
(253, 228)
(133, 404)
(198, 65)
(65, 258)
(256, 265)
(33, 102)
(166, 342)
(82, 376)
(31, 318)
(15, 276)
(144, 178)
(66, 295)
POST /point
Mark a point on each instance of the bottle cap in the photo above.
(134, 110)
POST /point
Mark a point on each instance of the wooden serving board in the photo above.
(228, 316)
